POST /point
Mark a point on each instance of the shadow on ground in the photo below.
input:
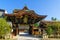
(28, 35)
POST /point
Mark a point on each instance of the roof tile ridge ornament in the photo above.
(25, 8)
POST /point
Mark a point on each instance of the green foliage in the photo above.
(56, 27)
(4, 27)
(53, 28)
(36, 24)
(49, 30)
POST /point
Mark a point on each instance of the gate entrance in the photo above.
(21, 18)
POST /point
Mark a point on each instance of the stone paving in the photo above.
(31, 38)
(25, 36)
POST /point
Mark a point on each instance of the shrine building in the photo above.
(22, 19)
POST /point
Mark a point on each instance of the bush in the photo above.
(4, 27)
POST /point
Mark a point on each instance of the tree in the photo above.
(56, 27)
(53, 28)
(53, 19)
(49, 30)
(4, 28)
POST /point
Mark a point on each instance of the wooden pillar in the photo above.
(41, 31)
(13, 27)
(31, 29)
(17, 29)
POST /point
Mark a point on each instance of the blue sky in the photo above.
(41, 7)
